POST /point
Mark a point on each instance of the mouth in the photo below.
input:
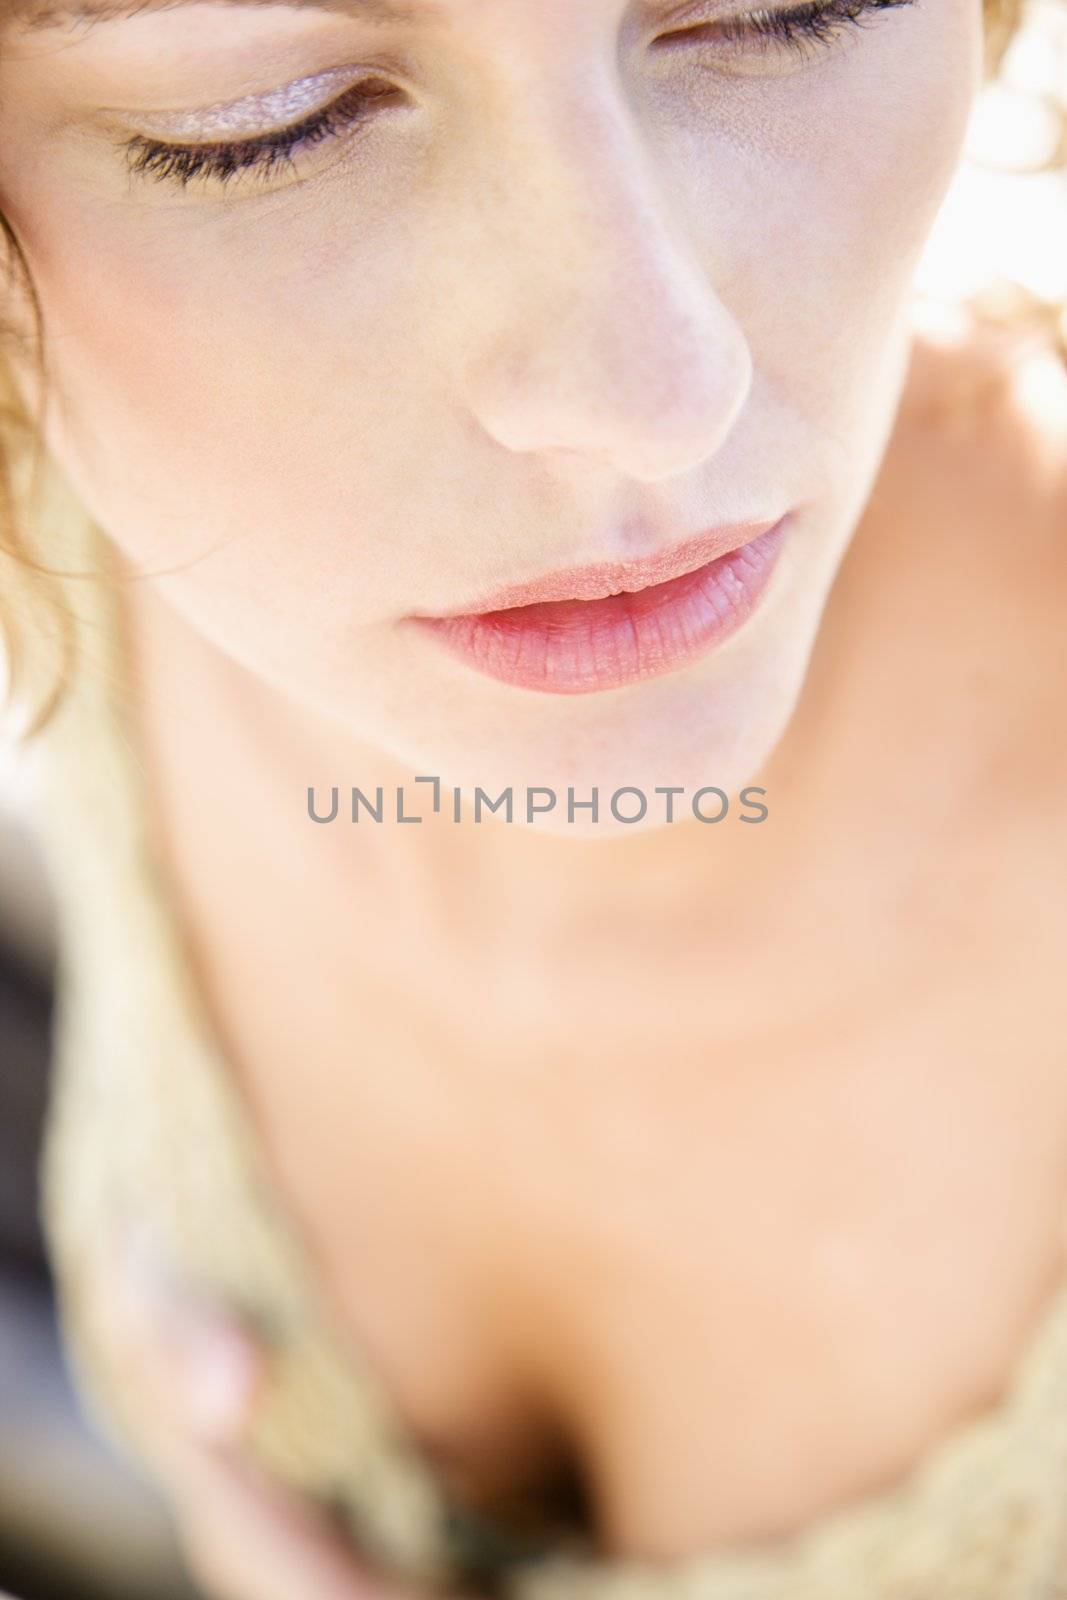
(598, 627)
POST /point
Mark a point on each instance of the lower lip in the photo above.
(581, 646)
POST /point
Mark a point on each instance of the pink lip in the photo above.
(637, 619)
(602, 578)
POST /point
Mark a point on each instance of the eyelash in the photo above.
(815, 22)
(800, 27)
(181, 163)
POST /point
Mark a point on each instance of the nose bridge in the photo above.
(605, 336)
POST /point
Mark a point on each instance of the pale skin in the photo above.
(769, 1125)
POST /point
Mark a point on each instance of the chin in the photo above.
(706, 740)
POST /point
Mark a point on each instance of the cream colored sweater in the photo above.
(145, 1121)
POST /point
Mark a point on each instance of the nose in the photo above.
(602, 338)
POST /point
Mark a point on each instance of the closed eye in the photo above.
(265, 153)
(798, 27)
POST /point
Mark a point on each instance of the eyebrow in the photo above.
(39, 14)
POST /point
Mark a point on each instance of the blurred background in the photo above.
(76, 1523)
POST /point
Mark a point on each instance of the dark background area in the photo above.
(76, 1522)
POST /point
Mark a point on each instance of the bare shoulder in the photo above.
(968, 536)
(976, 472)
(984, 421)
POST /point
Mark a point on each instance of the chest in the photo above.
(695, 1209)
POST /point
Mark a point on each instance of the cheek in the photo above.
(825, 187)
(208, 386)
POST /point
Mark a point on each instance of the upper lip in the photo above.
(602, 578)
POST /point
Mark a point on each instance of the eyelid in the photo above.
(256, 113)
(693, 14)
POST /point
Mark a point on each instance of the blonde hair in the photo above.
(37, 636)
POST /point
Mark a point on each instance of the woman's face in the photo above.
(557, 282)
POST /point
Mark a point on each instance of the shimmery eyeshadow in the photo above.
(252, 115)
